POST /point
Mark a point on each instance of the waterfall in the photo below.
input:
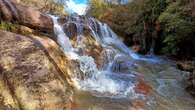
(105, 70)
(111, 79)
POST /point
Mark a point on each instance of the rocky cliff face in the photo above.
(31, 77)
(34, 72)
(16, 13)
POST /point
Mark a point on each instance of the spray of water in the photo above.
(103, 81)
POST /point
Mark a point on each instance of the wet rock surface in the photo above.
(186, 65)
(189, 67)
(156, 83)
(190, 86)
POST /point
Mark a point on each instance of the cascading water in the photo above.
(107, 69)
(103, 81)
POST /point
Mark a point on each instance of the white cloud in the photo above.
(76, 8)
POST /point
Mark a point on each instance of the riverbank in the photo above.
(73, 62)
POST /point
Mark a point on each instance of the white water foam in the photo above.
(100, 81)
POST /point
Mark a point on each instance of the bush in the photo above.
(167, 26)
(98, 8)
(46, 6)
(135, 21)
(177, 27)
(7, 26)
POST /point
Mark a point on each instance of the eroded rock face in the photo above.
(11, 11)
(30, 79)
(186, 65)
(191, 84)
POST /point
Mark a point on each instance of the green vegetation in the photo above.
(98, 8)
(167, 26)
(177, 27)
(7, 26)
(19, 29)
(46, 6)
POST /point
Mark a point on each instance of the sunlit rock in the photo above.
(30, 78)
(27, 16)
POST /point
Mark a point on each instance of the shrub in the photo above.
(177, 27)
(167, 26)
(7, 26)
(47, 6)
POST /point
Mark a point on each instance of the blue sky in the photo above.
(80, 1)
(76, 6)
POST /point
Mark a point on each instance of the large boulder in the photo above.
(33, 74)
(10, 10)
(191, 83)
